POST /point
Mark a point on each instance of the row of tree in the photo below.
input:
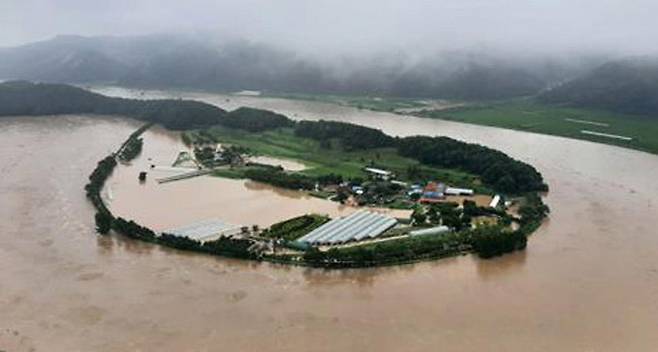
(131, 149)
(255, 120)
(351, 136)
(280, 178)
(493, 241)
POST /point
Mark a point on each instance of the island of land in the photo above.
(439, 180)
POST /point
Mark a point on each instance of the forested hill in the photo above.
(26, 98)
(177, 61)
(628, 86)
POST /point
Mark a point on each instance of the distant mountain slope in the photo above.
(629, 86)
(176, 61)
(63, 59)
(488, 82)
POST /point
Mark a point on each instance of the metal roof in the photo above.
(430, 231)
(458, 191)
(205, 230)
(354, 227)
(377, 171)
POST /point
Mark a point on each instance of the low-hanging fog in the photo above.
(341, 27)
(399, 47)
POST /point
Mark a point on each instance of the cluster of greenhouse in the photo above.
(358, 226)
(205, 230)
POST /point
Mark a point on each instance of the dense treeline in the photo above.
(489, 242)
(224, 246)
(132, 149)
(494, 167)
(25, 98)
(255, 120)
(280, 178)
(532, 212)
(96, 180)
(352, 137)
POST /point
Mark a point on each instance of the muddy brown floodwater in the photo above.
(587, 282)
(163, 206)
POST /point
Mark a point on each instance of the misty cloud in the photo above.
(338, 27)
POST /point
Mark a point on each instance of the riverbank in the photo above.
(523, 114)
(628, 131)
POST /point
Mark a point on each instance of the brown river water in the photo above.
(587, 282)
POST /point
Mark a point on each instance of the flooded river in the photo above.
(587, 282)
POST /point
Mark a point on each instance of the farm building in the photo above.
(204, 231)
(495, 201)
(434, 190)
(358, 226)
(437, 230)
(453, 191)
(379, 173)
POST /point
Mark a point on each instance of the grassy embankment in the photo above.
(282, 143)
(531, 116)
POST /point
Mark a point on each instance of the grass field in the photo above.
(282, 143)
(523, 114)
(528, 115)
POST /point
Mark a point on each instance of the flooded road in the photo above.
(587, 282)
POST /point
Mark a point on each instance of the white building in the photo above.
(379, 173)
(495, 201)
(204, 231)
(437, 230)
(453, 191)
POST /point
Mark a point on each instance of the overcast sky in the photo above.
(356, 26)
